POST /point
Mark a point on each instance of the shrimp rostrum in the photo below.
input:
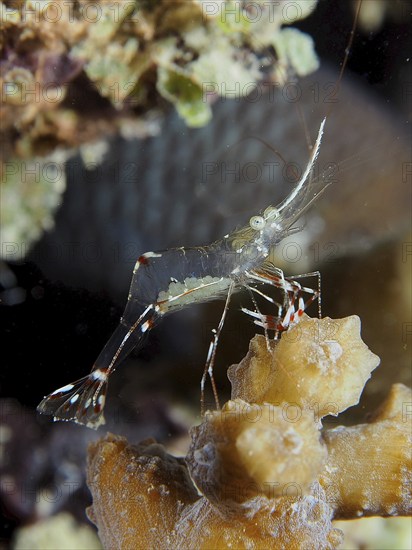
(166, 281)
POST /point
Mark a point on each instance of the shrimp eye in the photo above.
(257, 222)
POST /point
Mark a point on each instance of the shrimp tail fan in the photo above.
(81, 401)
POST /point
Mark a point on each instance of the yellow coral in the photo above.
(143, 498)
(320, 364)
(267, 474)
(246, 450)
(369, 469)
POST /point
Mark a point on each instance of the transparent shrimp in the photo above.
(169, 280)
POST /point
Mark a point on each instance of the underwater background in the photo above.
(187, 187)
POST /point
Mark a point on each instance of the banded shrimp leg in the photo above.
(292, 291)
(211, 356)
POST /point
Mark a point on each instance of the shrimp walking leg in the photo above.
(257, 313)
(293, 295)
(210, 361)
(319, 293)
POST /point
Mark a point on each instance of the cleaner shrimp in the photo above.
(166, 281)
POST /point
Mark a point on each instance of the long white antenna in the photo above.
(313, 157)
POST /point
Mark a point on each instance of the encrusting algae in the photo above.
(76, 71)
(261, 472)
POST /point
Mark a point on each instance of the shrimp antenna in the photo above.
(271, 148)
(291, 197)
(266, 144)
(347, 49)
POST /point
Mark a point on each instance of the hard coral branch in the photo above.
(320, 364)
(247, 450)
(139, 492)
(143, 498)
(369, 467)
(267, 475)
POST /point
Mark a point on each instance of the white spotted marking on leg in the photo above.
(64, 389)
(151, 255)
(98, 375)
(209, 353)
